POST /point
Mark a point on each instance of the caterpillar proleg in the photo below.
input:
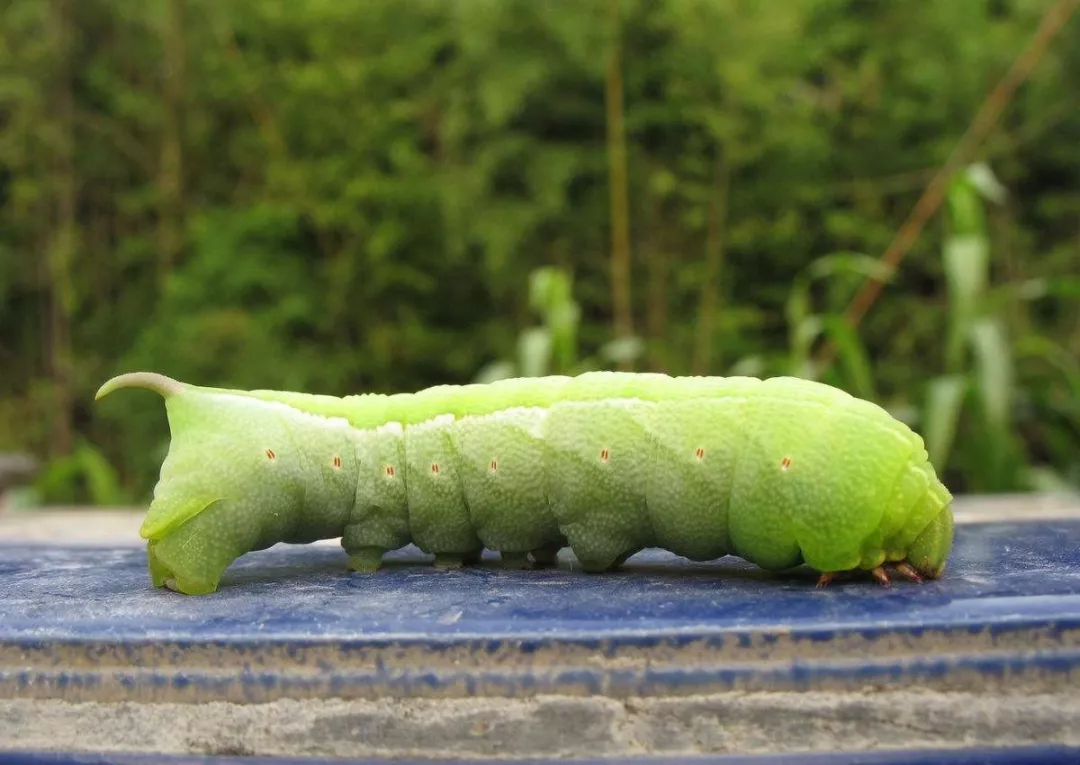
(780, 472)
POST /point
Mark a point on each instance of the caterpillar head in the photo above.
(930, 551)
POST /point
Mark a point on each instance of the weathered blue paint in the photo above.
(1042, 755)
(80, 623)
(1000, 576)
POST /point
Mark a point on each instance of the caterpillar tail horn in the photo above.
(165, 386)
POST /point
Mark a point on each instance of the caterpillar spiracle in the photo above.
(780, 472)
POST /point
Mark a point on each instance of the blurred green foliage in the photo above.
(333, 197)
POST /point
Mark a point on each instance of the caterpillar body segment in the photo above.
(780, 472)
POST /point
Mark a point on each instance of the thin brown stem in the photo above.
(62, 246)
(985, 120)
(715, 247)
(657, 267)
(171, 173)
(620, 195)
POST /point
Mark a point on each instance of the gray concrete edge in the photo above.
(552, 726)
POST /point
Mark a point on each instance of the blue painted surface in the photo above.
(85, 624)
(296, 607)
(1001, 577)
(1010, 756)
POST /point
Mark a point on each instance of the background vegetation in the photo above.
(340, 197)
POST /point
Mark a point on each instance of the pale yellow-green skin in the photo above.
(779, 472)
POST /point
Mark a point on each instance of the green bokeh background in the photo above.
(340, 197)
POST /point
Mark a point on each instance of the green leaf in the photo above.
(624, 349)
(944, 401)
(549, 289)
(1053, 354)
(534, 352)
(496, 370)
(749, 366)
(802, 339)
(1046, 480)
(966, 261)
(965, 207)
(994, 373)
(804, 326)
(852, 355)
(982, 178)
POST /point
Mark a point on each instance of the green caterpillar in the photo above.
(779, 472)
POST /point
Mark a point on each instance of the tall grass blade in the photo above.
(944, 402)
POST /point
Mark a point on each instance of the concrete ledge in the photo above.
(554, 726)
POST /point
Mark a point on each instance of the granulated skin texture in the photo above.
(552, 726)
(779, 472)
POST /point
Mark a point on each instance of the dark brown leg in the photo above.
(907, 570)
(824, 579)
(881, 576)
(546, 556)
